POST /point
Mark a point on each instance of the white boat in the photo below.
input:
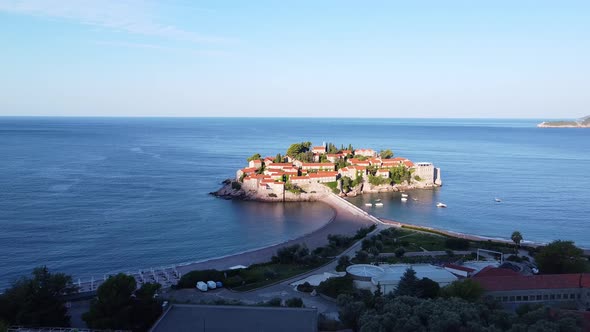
(404, 195)
(497, 200)
(202, 286)
(368, 204)
(441, 205)
(404, 199)
(378, 204)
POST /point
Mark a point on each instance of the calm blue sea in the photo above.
(93, 195)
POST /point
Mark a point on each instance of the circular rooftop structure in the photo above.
(364, 271)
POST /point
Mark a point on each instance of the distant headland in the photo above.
(580, 123)
(307, 173)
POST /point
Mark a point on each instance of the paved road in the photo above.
(282, 290)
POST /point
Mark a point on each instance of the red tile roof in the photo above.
(459, 267)
(358, 161)
(326, 165)
(323, 174)
(520, 282)
(508, 283)
(408, 163)
(299, 178)
(490, 271)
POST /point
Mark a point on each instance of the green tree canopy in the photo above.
(404, 313)
(516, 238)
(400, 174)
(386, 154)
(37, 301)
(408, 284)
(466, 289)
(561, 257)
(255, 156)
(350, 311)
(298, 148)
(427, 288)
(118, 306)
(278, 158)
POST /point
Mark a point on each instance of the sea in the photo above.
(90, 196)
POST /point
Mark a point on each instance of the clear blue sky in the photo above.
(295, 58)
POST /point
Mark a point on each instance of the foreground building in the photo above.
(387, 276)
(569, 291)
(221, 318)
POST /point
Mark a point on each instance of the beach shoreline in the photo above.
(345, 221)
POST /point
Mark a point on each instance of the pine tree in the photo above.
(407, 284)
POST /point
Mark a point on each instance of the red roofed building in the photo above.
(459, 270)
(384, 173)
(279, 165)
(318, 166)
(333, 157)
(323, 177)
(375, 161)
(255, 163)
(358, 162)
(365, 152)
(318, 149)
(300, 179)
(512, 289)
(408, 163)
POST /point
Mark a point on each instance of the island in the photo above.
(580, 123)
(308, 173)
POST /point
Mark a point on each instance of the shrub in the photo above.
(514, 258)
(336, 286)
(272, 195)
(457, 244)
(291, 254)
(234, 281)
(295, 302)
(274, 302)
(236, 185)
(343, 263)
(363, 231)
(361, 256)
(190, 279)
(399, 252)
(305, 287)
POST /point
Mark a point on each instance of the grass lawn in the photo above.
(413, 241)
(334, 186)
(265, 274)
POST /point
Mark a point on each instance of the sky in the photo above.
(443, 59)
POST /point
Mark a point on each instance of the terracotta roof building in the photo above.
(559, 290)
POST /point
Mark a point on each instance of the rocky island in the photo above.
(307, 173)
(580, 123)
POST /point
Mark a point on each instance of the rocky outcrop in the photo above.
(580, 123)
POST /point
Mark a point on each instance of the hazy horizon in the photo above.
(428, 59)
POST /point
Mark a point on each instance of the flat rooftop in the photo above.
(221, 318)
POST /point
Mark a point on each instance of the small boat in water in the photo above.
(404, 195)
(441, 205)
(368, 204)
(404, 199)
(497, 200)
(378, 204)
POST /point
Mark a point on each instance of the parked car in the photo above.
(202, 286)
(219, 284)
(211, 284)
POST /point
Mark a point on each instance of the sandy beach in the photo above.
(346, 221)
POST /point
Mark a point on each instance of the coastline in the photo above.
(344, 222)
(471, 237)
